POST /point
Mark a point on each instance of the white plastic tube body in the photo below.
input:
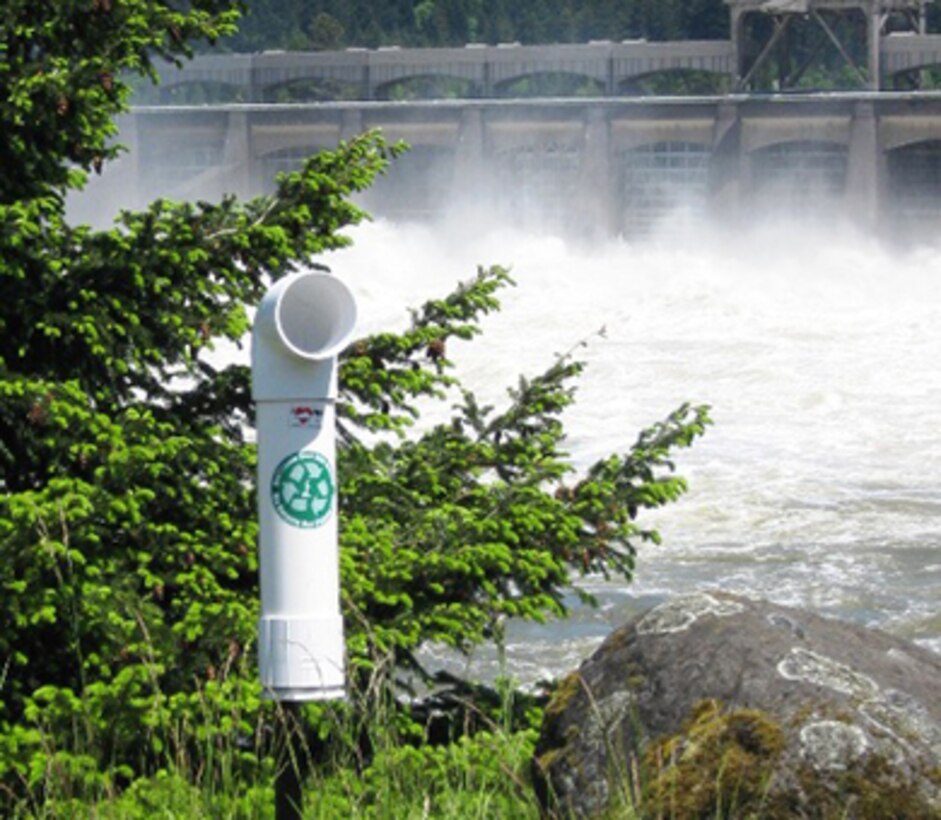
(302, 323)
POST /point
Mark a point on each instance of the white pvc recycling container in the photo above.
(303, 322)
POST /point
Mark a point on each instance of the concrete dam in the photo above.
(598, 165)
(595, 157)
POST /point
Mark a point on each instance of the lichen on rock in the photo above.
(682, 612)
(804, 665)
(713, 701)
(832, 745)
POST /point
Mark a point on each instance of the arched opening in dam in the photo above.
(914, 172)
(662, 180)
(191, 92)
(799, 177)
(427, 87)
(684, 81)
(419, 184)
(535, 183)
(550, 84)
(305, 90)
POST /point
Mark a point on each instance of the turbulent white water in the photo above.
(820, 354)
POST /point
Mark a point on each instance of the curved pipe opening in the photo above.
(315, 315)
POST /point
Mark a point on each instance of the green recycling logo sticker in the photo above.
(302, 489)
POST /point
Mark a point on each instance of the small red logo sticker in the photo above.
(304, 415)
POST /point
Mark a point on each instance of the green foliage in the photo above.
(690, 82)
(71, 756)
(475, 777)
(57, 104)
(306, 25)
(806, 59)
(127, 524)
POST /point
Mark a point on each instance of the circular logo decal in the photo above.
(302, 489)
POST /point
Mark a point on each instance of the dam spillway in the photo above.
(602, 166)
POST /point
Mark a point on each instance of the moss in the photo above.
(567, 689)
(619, 639)
(725, 763)
(545, 761)
(873, 788)
(559, 742)
(718, 765)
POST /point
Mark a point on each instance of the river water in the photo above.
(819, 350)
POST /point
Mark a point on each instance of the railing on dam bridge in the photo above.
(601, 69)
(474, 71)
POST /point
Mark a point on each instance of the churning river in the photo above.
(819, 351)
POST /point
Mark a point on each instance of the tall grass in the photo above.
(217, 754)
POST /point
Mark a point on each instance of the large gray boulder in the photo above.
(714, 705)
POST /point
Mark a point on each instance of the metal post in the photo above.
(288, 787)
(874, 23)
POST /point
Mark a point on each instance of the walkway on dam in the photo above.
(507, 70)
